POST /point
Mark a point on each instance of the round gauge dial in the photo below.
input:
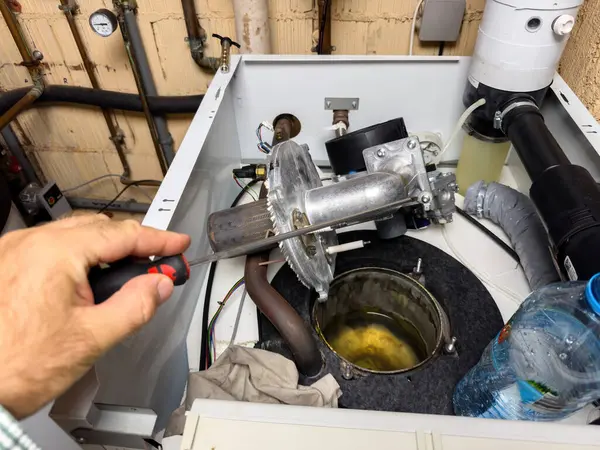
(103, 22)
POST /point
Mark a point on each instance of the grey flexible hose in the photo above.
(516, 215)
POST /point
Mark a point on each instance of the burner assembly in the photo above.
(371, 314)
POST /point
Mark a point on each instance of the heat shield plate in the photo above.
(292, 172)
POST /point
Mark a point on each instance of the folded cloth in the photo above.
(253, 375)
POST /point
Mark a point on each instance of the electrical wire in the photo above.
(263, 146)
(441, 48)
(93, 180)
(507, 248)
(238, 317)
(413, 27)
(245, 187)
(462, 119)
(211, 325)
(204, 359)
(483, 276)
(121, 192)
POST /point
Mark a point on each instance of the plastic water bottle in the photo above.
(544, 364)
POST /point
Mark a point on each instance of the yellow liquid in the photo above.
(480, 160)
(375, 341)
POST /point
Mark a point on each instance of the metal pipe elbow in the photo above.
(280, 313)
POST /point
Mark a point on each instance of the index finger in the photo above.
(108, 241)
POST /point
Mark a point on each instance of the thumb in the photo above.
(128, 309)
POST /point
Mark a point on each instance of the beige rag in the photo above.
(253, 375)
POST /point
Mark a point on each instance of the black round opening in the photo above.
(534, 24)
(295, 125)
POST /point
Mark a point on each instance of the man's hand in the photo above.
(50, 330)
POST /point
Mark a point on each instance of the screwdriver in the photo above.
(105, 281)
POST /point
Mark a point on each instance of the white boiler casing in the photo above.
(520, 42)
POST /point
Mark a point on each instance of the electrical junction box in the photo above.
(441, 20)
(53, 201)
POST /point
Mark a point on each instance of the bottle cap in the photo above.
(592, 293)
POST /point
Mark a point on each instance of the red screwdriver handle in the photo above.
(108, 280)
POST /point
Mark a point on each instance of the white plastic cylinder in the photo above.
(520, 42)
(252, 26)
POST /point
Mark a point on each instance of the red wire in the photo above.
(238, 183)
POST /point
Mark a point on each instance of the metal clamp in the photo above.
(499, 115)
(70, 6)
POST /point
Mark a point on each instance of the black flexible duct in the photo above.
(104, 99)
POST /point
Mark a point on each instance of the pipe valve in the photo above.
(226, 43)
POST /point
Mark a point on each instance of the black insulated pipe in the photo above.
(535, 145)
(568, 200)
(565, 195)
(57, 94)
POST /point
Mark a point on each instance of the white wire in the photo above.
(238, 317)
(461, 121)
(483, 276)
(412, 28)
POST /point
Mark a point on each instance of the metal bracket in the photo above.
(347, 103)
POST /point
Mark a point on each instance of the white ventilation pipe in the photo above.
(520, 42)
(252, 26)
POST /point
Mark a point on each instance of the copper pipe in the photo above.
(31, 96)
(324, 46)
(15, 31)
(196, 37)
(70, 8)
(282, 130)
(287, 321)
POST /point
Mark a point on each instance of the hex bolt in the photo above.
(381, 153)
(346, 370)
(411, 144)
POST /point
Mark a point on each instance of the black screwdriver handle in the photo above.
(106, 281)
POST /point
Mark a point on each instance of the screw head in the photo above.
(354, 104)
(81, 440)
(381, 153)
(425, 197)
(37, 55)
(328, 104)
(411, 144)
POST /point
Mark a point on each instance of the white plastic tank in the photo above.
(520, 43)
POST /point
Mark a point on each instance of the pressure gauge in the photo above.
(103, 22)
